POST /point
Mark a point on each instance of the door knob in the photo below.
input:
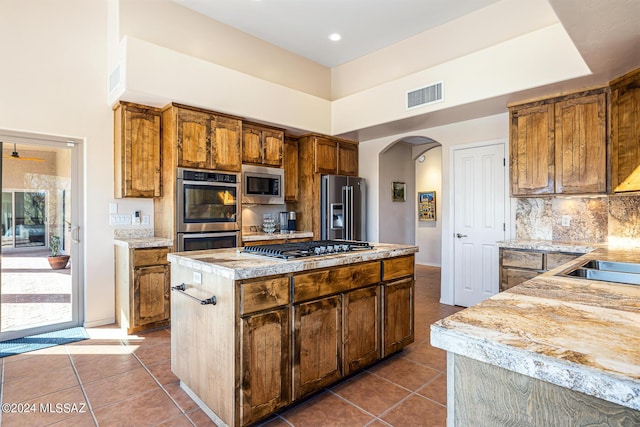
(460, 236)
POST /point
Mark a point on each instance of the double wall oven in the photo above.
(207, 209)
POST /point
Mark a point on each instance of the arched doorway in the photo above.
(400, 166)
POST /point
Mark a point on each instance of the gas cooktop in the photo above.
(307, 249)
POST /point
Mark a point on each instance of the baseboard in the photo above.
(102, 322)
(429, 264)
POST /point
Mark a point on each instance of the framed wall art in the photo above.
(398, 191)
(427, 206)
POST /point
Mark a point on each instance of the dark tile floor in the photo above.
(127, 381)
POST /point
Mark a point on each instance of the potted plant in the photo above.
(56, 260)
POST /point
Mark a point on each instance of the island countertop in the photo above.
(233, 264)
(580, 334)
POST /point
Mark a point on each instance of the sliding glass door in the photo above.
(37, 215)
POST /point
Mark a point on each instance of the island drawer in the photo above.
(264, 294)
(315, 284)
(558, 258)
(397, 267)
(150, 256)
(522, 259)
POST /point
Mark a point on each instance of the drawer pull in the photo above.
(181, 288)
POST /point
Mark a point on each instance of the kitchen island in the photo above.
(252, 334)
(555, 350)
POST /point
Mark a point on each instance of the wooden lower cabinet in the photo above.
(271, 341)
(519, 265)
(398, 315)
(361, 328)
(265, 364)
(317, 345)
(142, 288)
(150, 295)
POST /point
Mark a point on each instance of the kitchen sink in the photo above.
(607, 271)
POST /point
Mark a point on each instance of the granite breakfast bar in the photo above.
(268, 332)
(555, 350)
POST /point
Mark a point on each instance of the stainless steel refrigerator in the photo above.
(342, 208)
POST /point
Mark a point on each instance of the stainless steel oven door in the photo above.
(207, 206)
(203, 241)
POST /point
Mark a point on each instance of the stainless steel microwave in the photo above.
(262, 185)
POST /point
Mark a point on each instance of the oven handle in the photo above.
(210, 183)
(181, 288)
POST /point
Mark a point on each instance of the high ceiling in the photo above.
(304, 26)
(606, 34)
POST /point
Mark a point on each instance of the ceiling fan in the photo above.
(15, 155)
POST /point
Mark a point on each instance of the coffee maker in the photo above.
(287, 221)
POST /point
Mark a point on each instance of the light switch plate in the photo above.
(113, 208)
(566, 220)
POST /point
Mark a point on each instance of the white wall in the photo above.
(53, 80)
(429, 234)
(483, 129)
(396, 224)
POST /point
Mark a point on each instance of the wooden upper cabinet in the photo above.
(581, 144)
(335, 157)
(262, 145)
(625, 132)
(251, 144)
(347, 159)
(225, 144)
(559, 145)
(194, 139)
(273, 142)
(532, 150)
(326, 156)
(205, 140)
(137, 148)
(290, 165)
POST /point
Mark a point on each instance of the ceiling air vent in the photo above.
(425, 95)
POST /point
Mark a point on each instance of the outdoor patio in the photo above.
(32, 294)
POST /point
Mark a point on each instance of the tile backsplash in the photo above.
(612, 219)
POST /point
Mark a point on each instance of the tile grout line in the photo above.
(182, 411)
(84, 393)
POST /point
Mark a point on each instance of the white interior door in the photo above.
(479, 221)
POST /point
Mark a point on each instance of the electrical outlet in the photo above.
(113, 208)
(197, 278)
(119, 219)
(566, 220)
(145, 219)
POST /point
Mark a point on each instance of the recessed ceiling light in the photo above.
(334, 37)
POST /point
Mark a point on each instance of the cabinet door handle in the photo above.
(181, 288)
(460, 236)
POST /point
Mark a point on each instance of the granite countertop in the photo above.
(551, 245)
(580, 334)
(256, 236)
(143, 242)
(233, 264)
